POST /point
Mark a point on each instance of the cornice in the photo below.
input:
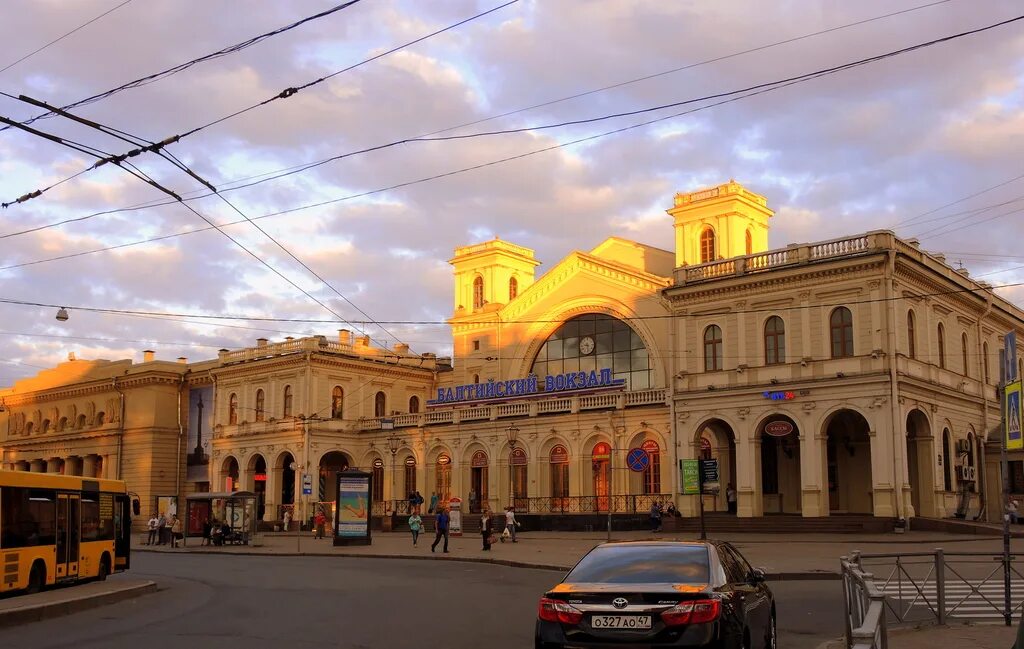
(92, 388)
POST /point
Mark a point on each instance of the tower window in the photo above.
(478, 292)
(750, 243)
(513, 288)
(707, 245)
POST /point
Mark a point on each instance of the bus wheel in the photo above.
(104, 569)
(36, 578)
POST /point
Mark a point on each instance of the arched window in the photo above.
(712, 348)
(261, 402)
(443, 477)
(841, 328)
(911, 335)
(513, 288)
(337, 402)
(750, 243)
(81, 421)
(46, 426)
(984, 359)
(414, 404)
(62, 423)
(774, 341)
(233, 408)
(29, 426)
(410, 475)
(947, 467)
(101, 418)
(380, 404)
(942, 346)
(476, 378)
(478, 292)
(594, 342)
(287, 412)
(559, 461)
(652, 474)
(963, 353)
(707, 245)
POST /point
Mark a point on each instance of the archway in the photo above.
(848, 463)
(715, 439)
(478, 470)
(330, 465)
(283, 468)
(229, 474)
(781, 488)
(601, 472)
(920, 464)
(257, 478)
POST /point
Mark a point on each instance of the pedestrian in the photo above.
(433, 502)
(412, 501)
(177, 530)
(671, 509)
(472, 500)
(161, 529)
(485, 529)
(415, 526)
(1011, 511)
(419, 502)
(207, 532)
(730, 497)
(441, 529)
(151, 526)
(320, 521)
(655, 516)
(510, 524)
(287, 519)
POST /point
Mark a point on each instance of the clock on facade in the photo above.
(586, 345)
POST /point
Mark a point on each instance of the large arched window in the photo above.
(260, 405)
(287, 401)
(707, 245)
(478, 292)
(513, 288)
(841, 332)
(652, 474)
(337, 402)
(911, 335)
(414, 404)
(984, 360)
(963, 353)
(712, 348)
(594, 342)
(774, 341)
(750, 243)
(233, 408)
(947, 479)
(942, 345)
(380, 404)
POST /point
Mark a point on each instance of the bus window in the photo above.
(29, 517)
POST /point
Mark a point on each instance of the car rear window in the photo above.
(643, 564)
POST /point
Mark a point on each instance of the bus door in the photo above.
(122, 531)
(68, 535)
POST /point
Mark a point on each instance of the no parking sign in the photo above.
(637, 459)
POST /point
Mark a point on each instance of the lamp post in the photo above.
(512, 432)
(393, 443)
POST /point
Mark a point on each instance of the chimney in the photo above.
(914, 242)
(71, 356)
(261, 342)
(344, 336)
(148, 355)
(182, 360)
(401, 348)
(362, 341)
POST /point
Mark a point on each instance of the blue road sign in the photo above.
(637, 459)
(307, 484)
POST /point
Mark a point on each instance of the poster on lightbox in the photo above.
(200, 432)
(353, 510)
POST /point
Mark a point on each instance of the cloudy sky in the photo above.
(879, 146)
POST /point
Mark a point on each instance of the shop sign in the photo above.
(479, 460)
(776, 395)
(411, 461)
(519, 457)
(260, 477)
(378, 463)
(689, 473)
(442, 459)
(559, 455)
(778, 428)
(650, 446)
(530, 386)
(602, 451)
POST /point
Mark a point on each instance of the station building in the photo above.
(855, 375)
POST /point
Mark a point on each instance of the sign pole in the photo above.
(611, 490)
(1004, 466)
(700, 497)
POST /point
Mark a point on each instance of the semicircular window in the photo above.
(595, 341)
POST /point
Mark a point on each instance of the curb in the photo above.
(817, 575)
(44, 611)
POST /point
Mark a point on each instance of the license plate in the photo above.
(621, 622)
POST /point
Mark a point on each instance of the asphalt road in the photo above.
(293, 602)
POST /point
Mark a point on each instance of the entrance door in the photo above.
(68, 530)
(602, 487)
(833, 475)
(478, 484)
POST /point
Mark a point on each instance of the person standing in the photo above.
(441, 527)
(730, 497)
(151, 526)
(419, 502)
(485, 529)
(433, 502)
(177, 530)
(207, 532)
(320, 521)
(415, 526)
(655, 517)
(161, 529)
(510, 522)
(287, 519)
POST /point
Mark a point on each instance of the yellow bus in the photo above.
(57, 529)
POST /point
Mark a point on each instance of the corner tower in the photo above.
(490, 273)
(718, 223)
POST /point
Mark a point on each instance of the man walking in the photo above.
(441, 525)
(151, 527)
(320, 521)
(510, 523)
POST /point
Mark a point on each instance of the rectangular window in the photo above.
(28, 517)
(476, 345)
(1016, 477)
(90, 517)
(652, 474)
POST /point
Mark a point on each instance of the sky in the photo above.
(927, 144)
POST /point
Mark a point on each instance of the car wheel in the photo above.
(36, 579)
(771, 640)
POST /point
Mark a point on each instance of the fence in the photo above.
(916, 588)
(619, 504)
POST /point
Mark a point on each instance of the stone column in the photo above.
(53, 465)
(813, 492)
(747, 494)
(89, 466)
(37, 466)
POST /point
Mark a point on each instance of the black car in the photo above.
(659, 594)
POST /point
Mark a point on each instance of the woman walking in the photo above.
(485, 529)
(415, 526)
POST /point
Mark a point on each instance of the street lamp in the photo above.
(394, 441)
(512, 432)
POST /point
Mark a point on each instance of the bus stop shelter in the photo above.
(237, 509)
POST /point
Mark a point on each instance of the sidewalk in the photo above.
(939, 637)
(783, 556)
(19, 609)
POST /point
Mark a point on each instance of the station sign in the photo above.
(778, 428)
(530, 386)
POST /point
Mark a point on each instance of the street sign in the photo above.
(637, 459)
(779, 428)
(709, 475)
(1010, 346)
(1014, 439)
(689, 477)
(387, 424)
(307, 484)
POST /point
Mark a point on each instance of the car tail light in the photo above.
(695, 611)
(553, 610)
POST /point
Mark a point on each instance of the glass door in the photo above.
(68, 535)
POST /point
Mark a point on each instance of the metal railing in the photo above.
(865, 615)
(619, 504)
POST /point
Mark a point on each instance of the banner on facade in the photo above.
(689, 477)
(1013, 439)
(200, 431)
(352, 509)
